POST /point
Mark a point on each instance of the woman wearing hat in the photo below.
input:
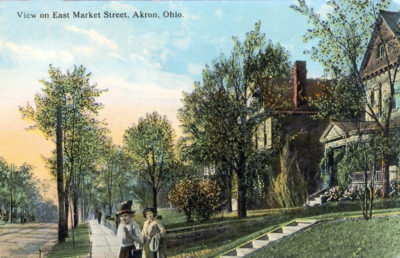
(128, 233)
(153, 235)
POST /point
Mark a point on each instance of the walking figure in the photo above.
(99, 216)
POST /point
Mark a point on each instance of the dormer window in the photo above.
(381, 51)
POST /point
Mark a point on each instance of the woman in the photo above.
(128, 233)
(153, 235)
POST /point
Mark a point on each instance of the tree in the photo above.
(109, 171)
(344, 37)
(73, 93)
(18, 189)
(221, 115)
(150, 146)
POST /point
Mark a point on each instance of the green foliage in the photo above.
(343, 238)
(83, 135)
(342, 36)
(150, 146)
(196, 198)
(289, 188)
(19, 190)
(237, 93)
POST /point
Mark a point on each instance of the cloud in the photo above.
(83, 51)
(324, 10)
(118, 6)
(29, 52)
(118, 56)
(164, 54)
(122, 91)
(219, 13)
(195, 68)
(182, 43)
(95, 36)
(150, 49)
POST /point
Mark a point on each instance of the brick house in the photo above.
(296, 122)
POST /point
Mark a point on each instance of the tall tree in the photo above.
(225, 110)
(150, 145)
(344, 36)
(76, 96)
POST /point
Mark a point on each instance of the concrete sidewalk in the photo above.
(104, 241)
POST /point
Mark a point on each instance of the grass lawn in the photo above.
(239, 231)
(238, 234)
(66, 249)
(378, 237)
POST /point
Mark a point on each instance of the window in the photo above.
(380, 97)
(396, 104)
(372, 98)
(381, 51)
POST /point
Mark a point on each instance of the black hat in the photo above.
(125, 207)
(147, 210)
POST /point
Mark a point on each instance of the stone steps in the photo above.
(268, 238)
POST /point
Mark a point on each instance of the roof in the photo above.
(312, 89)
(392, 19)
(340, 130)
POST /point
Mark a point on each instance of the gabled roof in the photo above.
(340, 130)
(392, 19)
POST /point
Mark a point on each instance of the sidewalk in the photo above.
(104, 241)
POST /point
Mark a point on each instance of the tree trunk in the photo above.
(109, 203)
(385, 176)
(66, 205)
(229, 192)
(62, 233)
(75, 208)
(154, 199)
(242, 209)
(10, 214)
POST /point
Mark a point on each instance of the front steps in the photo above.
(315, 198)
(266, 239)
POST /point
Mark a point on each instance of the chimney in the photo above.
(299, 77)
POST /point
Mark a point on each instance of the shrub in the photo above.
(336, 194)
(289, 189)
(196, 198)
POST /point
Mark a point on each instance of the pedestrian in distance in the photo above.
(128, 233)
(99, 216)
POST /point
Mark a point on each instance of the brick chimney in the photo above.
(299, 77)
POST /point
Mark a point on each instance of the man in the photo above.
(128, 233)
(99, 216)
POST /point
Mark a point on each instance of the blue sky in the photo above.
(145, 63)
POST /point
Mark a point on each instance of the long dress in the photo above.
(153, 235)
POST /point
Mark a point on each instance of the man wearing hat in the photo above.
(129, 233)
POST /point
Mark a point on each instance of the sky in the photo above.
(145, 63)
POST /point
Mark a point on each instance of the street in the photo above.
(24, 240)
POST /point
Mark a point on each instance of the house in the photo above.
(295, 121)
(378, 71)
